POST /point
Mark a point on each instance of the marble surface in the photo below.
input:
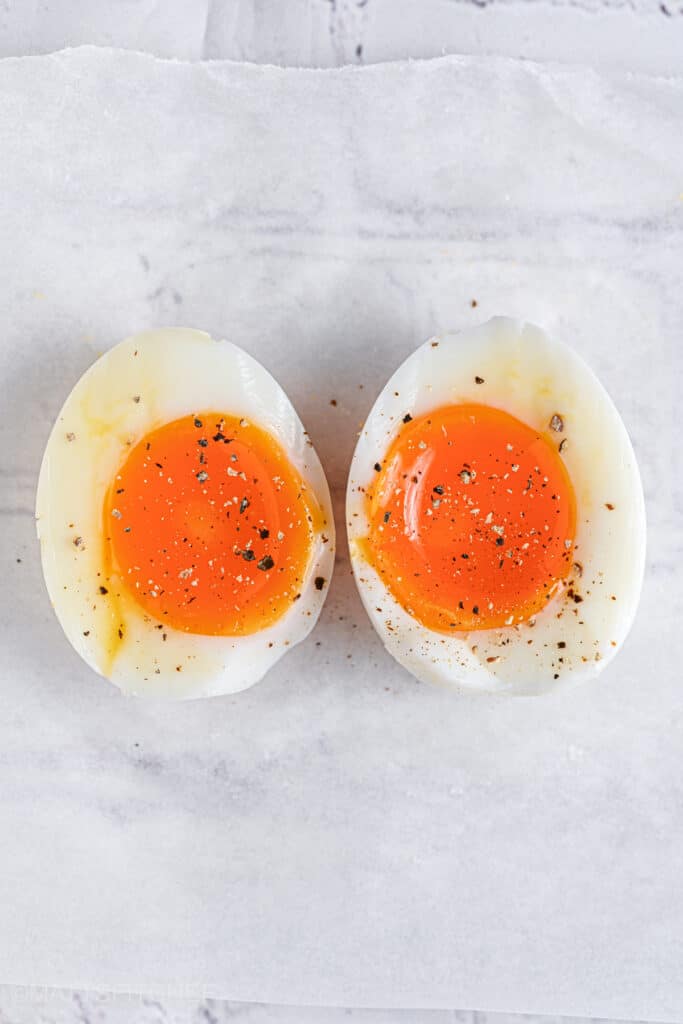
(49, 1006)
(643, 35)
(129, 804)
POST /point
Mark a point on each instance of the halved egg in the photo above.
(495, 513)
(186, 532)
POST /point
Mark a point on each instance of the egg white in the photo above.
(147, 380)
(532, 377)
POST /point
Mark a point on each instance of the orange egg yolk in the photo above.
(209, 525)
(472, 519)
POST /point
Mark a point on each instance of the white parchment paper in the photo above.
(341, 834)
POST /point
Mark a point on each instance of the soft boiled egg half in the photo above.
(495, 514)
(185, 524)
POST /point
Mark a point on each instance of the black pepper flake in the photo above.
(333, 401)
(158, 465)
(500, 541)
(461, 606)
(561, 644)
(244, 504)
(264, 534)
(248, 555)
(120, 631)
(609, 505)
(475, 609)
(198, 423)
(265, 564)
(86, 632)
(556, 422)
(120, 490)
(218, 437)
(319, 582)
(378, 467)
(387, 517)
(103, 590)
(479, 380)
(407, 418)
(202, 475)
(203, 442)
(438, 489)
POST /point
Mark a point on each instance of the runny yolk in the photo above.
(210, 526)
(472, 519)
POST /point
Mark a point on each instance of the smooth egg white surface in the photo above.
(532, 377)
(150, 379)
